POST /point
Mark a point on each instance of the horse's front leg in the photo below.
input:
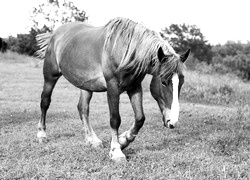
(135, 97)
(115, 120)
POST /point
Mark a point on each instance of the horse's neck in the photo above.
(128, 81)
(152, 71)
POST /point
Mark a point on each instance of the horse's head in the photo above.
(165, 87)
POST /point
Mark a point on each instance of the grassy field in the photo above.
(211, 141)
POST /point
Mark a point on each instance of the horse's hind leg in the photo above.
(83, 108)
(51, 75)
(49, 84)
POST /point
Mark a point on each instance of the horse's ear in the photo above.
(185, 55)
(161, 54)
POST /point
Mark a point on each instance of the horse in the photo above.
(113, 58)
(3, 45)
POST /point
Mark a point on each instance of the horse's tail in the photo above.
(42, 42)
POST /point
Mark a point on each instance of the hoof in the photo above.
(125, 139)
(41, 136)
(95, 145)
(119, 159)
(117, 156)
(42, 140)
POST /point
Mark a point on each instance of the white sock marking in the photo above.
(174, 115)
(41, 134)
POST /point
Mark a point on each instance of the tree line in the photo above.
(45, 18)
(229, 57)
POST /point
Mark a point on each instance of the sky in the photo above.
(218, 20)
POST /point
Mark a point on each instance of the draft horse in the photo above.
(3, 45)
(113, 58)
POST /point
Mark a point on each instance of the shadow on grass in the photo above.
(66, 135)
(130, 153)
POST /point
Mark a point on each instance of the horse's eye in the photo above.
(164, 83)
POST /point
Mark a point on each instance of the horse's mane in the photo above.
(140, 47)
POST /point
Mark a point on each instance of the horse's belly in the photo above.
(86, 78)
(94, 85)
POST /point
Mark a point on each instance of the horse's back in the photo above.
(78, 48)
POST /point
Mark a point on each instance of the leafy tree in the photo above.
(229, 49)
(232, 57)
(185, 36)
(25, 43)
(55, 13)
(45, 18)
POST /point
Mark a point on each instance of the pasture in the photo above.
(211, 140)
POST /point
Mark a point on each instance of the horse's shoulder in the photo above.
(127, 80)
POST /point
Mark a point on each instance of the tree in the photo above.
(55, 13)
(232, 57)
(182, 37)
(45, 18)
(25, 43)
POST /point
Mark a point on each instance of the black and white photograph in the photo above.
(125, 90)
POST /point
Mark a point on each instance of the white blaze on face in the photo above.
(175, 108)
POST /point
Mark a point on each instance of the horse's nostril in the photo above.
(171, 126)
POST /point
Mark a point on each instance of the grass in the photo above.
(215, 89)
(212, 140)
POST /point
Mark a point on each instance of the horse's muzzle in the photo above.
(166, 118)
(168, 124)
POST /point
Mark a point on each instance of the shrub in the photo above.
(232, 57)
(25, 43)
